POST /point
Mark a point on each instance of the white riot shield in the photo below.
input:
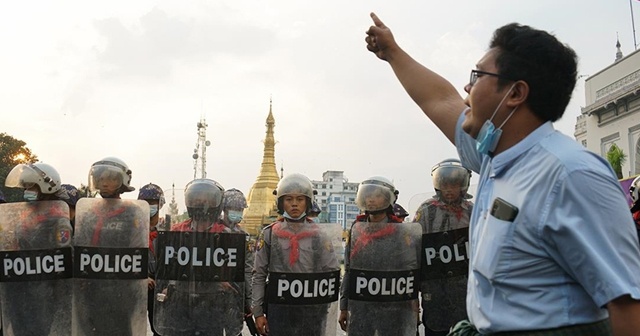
(199, 283)
(383, 278)
(35, 280)
(110, 267)
(304, 279)
(445, 262)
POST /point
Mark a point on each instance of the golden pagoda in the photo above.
(262, 202)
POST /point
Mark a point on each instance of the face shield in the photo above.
(203, 199)
(374, 197)
(451, 181)
(26, 176)
(105, 179)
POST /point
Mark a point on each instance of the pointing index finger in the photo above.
(377, 21)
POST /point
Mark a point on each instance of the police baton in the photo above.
(251, 324)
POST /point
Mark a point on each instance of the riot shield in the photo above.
(110, 267)
(445, 269)
(304, 279)
(35, 281)
(383, 278)
(199, 283)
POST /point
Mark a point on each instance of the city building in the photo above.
(336, 196)
(612, 112)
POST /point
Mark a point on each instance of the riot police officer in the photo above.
(154, 196)
(381, 250)
(70, 195)
(200, 297)
(111, 302)
(294, 250)
(233, 206)
(37, 303)
(445, 227)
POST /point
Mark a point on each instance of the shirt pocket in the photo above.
(494, 245)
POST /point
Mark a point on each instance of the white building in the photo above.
(337, 198)
(611, 115)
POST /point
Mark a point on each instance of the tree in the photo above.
(616, 158)
(12, 153)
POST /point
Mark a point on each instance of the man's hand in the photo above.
(344, 317)
(379, 39)
(152, 283)
(262, 325)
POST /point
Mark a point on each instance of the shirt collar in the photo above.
(503, 160)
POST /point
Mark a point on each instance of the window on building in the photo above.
(331, 186)
(324, 193)
(336, 199)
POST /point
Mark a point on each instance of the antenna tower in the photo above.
(200, 152)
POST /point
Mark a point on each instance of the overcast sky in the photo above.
(82, 80)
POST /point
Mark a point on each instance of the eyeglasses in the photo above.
(475, 74)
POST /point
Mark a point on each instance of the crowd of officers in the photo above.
(289, 282)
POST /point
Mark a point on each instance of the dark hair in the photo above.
(538, 58)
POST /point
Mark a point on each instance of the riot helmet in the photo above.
(375, 195)
(69, 194)
(234, 199)
(110, 176)
(451, 180)
(152, 192)
(234, 204)
(26, 176)
(294, 185)
(634, 189)
(315, 209)
(399, 211)
(203, 199)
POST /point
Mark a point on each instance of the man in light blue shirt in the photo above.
(553, 247)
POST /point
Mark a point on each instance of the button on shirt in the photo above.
(572, 247)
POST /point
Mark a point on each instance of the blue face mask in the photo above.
(30, 195)
(153, 210)
(286, 215)
(234, 216)
(488, 136)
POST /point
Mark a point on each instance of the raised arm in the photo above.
(437, 98)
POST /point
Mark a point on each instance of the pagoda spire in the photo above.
(261, 208)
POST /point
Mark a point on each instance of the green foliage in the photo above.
(616, 158)
(12, 153)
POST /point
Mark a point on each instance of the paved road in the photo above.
(339, 331)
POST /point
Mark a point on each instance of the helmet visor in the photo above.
(22, 176)
(203, 196)
(105, 178)
(374, 197)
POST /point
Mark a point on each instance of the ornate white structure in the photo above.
(612, 111)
